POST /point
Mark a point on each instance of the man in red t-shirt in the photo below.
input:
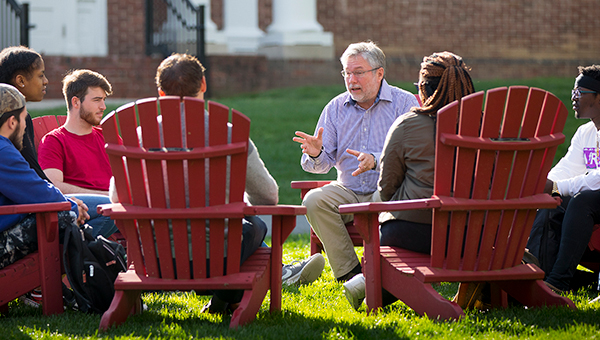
(73, 156)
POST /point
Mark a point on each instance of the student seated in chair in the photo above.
(21, 185)
(407, 161)
(25, 70)
(576, 179)
(183, 75)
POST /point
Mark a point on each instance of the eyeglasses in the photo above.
(576, 93)
(357, 74)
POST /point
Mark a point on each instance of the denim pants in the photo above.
(254, 231)
(102, 225)
(404, 234)
(582, 211)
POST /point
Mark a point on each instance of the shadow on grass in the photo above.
(181, 319)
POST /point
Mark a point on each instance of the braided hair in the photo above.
(443, 78)
(17, 60)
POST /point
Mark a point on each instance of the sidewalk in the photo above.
(54, 103)
(302, 226)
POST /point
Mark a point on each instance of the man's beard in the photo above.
(89, 117)
(15, 139)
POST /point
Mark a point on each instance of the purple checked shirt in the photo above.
(349, 126)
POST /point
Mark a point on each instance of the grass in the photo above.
(277, 114)
(319, 310)
(315, 311)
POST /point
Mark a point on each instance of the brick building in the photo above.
(497, 38)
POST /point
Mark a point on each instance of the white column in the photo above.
(241, 26)
(215, 39)
(295, 32)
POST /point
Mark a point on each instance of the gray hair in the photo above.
(368, 50)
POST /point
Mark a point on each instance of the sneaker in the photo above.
(69, 301)
(354, 289)
(303, 272)
(27, 300)
(554, 289)
(215, 306)
(530, 258)
(36, 295)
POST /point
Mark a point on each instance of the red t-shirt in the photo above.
(82, 159)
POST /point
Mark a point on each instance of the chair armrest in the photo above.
(118, 211)
(309, 184)
(283, 220)
(34, 208)
(47, 223)
(284, 210)
(376, 207)
(306, 186)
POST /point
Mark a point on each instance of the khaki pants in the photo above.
(324, 217)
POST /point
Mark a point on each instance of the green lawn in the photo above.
(277, 114)
(315, 311)
(319, 310)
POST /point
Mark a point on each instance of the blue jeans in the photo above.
(102, 225)
(254, 231)
(582, 211)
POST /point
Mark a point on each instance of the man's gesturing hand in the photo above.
(311, 145)
(367, 161)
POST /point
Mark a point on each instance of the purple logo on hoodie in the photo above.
(590, 157)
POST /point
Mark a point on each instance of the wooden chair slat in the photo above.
(196, 138)
(234, 235)
(44, 124)
(199, 248)
(162, 237)
(217, 247)
(241, 124)
(181, 245)
(218, 172)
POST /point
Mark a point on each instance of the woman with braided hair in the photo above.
(24, 69)
(407, 161)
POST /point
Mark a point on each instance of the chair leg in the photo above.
(4, 309)
(250, 304)
(534, 293)
(315, 243)
(422, 298)
(124, 303)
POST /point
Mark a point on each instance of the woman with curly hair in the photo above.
(407, 161)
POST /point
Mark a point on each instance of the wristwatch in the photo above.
(555, 189)
(375, 161)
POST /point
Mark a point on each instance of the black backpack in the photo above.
(544, 238)
(92, 265)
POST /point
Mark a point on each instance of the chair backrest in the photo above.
(187, 187)
(491, 166)
(44, 124)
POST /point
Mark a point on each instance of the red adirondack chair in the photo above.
(316, 246)
(41, 268)
(44, 124)
(171, 204)
(489, 179)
